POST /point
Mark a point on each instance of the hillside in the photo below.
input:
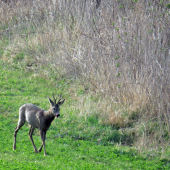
(71, 143)
(109, 59)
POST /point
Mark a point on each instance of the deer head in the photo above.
(56, 106)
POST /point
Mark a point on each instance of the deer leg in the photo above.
(30, 135)
(39, 150)
(20, 124)
(43, 134)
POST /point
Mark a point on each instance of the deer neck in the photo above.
(49, 114)
(48, 118)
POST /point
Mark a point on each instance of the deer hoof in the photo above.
(39, 150)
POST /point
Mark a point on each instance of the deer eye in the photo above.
(53, 108)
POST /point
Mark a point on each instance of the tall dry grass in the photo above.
(121, 48)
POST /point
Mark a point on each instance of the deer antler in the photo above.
(54, 99)
(60, 98)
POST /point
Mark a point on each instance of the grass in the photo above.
(113, 110)
(73, 141)
(114, 96)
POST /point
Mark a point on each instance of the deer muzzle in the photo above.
(57, 115)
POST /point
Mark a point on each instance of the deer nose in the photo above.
(57, 115)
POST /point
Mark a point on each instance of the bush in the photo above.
(120, 48)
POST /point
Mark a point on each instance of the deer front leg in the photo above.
(30, 135)
(39, 150)
(43, 134)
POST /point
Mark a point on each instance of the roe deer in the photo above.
(37, 118)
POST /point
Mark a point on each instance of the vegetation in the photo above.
(109, 59)
(72, 143)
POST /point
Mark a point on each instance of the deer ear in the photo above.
(51, 102)
(60, 103)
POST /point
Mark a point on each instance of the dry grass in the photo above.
(121, 49)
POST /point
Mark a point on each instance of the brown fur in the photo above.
(37, 118)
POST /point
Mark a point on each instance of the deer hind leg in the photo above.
(39, 150)
(20, 124)
(30, 135)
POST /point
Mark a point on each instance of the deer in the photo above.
(38, 118)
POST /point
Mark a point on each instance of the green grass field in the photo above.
(72, 142)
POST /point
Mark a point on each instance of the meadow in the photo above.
(72, 143)
(109, 60)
